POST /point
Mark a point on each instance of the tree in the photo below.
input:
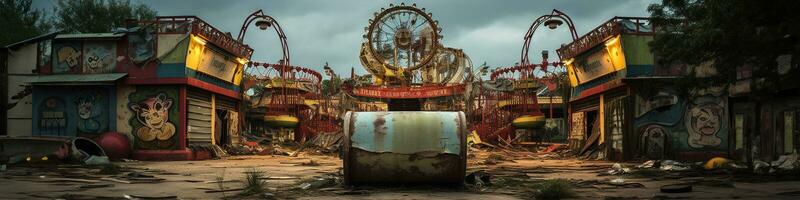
(725, 34)
(331, 86)
(97, 16)
(20, 21)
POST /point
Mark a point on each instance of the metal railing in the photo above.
(612, 27)
(196, 26)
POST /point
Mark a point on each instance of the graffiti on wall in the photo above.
(53, 118)
(578, 128)
(696, 123)
(704, 121)
(67, 58)
(154, 116)
(78, 111)
(99, 57)
(653, 138)
(91, 108)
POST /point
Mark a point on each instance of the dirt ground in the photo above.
(516, 176)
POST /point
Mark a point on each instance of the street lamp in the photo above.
(263, 22)
(552, 21)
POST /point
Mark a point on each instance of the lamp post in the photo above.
(263, 22)
(553, 20)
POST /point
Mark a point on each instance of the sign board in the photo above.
(212, 62)
(408, 92)
(595, 64)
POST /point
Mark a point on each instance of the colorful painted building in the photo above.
(623, 106)
(172, 85)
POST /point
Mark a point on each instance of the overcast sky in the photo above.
(320, 31)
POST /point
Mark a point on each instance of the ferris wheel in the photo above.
(402, 37)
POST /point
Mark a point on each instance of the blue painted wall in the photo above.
(73, 110)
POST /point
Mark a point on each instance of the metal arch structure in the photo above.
(403, 36)
(536, 23)
(296, 91)
(259, 14)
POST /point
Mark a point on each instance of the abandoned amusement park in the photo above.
(399, 99)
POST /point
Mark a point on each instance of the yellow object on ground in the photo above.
(473, 138)
(716, 163)
(281, 120)
(529, 122)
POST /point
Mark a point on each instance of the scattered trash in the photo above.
(676, 188)
(96, 160)
(616, 169)
(318, 183)
(671, 165)
(268, 195)
(717, 163)
(784, 163)
(473, 139)
(617, 181)
(649, 164)
(87, 152)
(479, 178)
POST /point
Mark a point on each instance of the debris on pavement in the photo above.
(616, 169)
(671, 165)
(784, 163)
(478, 178)
(717, 163)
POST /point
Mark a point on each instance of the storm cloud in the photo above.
(321, 31)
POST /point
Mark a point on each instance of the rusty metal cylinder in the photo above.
(404, 147)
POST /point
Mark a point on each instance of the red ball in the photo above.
(116, 145)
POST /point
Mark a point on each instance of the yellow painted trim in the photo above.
(282, 120)
(602, 123)
(213, 118)
(528, 121)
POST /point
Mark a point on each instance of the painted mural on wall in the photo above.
(155, 117)
(99, 57)
(92, 111)
(653, 137)
(694, 124)
(704, 121)
(78, 111)
(67, 57)
(52, 117)
(578, 129)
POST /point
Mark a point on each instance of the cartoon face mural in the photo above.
(82, 111)
(67, 58)
(703, 122)
(153, 114)
(99, 57)
(91, 113)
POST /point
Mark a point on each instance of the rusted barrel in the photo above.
(404, 147)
